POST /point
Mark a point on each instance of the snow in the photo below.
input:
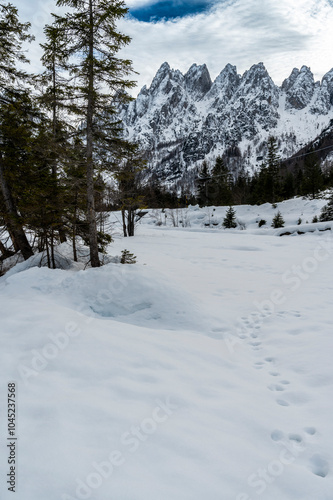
(202, 371)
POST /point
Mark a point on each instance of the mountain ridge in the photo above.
(182, 119)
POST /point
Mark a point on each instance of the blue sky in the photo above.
(169, 9)
(283, 34)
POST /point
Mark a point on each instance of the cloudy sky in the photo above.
(282, 34)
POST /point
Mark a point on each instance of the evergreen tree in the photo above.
(313, 176)
(327, 210)
(12, 34)
(203, 182)
(89, 31)
(220, 187)
(270, 172)
(278, 220)
(229, 221)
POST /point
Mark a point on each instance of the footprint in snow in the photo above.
(282, 402)
(277, 435)
(275, 387)
(319, 466)
(310, 430)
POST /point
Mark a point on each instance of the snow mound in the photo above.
(63, 258)
(128, 293)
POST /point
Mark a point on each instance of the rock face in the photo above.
(180, 120)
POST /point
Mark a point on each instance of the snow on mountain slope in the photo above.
(202, 371)
(183, 119)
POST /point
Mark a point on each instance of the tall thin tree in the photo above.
(98, 76)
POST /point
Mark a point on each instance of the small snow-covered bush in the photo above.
(127, 257)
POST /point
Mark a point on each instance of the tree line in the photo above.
(272, 182)
(59, 132)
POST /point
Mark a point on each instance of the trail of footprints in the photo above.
(299, 442)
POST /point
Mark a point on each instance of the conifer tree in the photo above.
(203, 183)
(12, 34)
(313, 176)
(229, 221)
(221, 184)
(92, 42)
(278, 220)
(327, 210)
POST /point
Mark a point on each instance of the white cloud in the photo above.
(282, 34)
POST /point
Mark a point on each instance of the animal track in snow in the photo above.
(319, 466)
(282, 402)
(310, 430)
(277, 435)
(295, 437)
(275, 387)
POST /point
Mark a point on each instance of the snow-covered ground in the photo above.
(202, 372)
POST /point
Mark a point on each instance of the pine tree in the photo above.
(270, 172)
(327, 210)
(278, 220)
(229, 221)
(313, 176)
(92, 41)
(12, 34)
(220, 187)
(203, 182)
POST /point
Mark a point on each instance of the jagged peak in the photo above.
(328, 76)
(228, 71)
(198, 80)
(305, 69)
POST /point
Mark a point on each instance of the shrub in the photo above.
(127, 257)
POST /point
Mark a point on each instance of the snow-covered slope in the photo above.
(203, 371)
(182, 119)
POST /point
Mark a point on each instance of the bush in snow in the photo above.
(262, 222)
(278, 220)
(127, 257)
(229, 220)
(315, 218)
(299, 222)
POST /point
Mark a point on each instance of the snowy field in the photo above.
(202, 372)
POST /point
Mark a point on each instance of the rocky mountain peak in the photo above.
(299, 88)
(183, 119)
(198, 81)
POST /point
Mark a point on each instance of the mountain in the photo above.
(180, 120)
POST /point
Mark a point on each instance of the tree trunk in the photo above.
(130, 221)
(13, 220)
(123, 216)
(91, 215)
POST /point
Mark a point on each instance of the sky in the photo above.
(282, 34)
